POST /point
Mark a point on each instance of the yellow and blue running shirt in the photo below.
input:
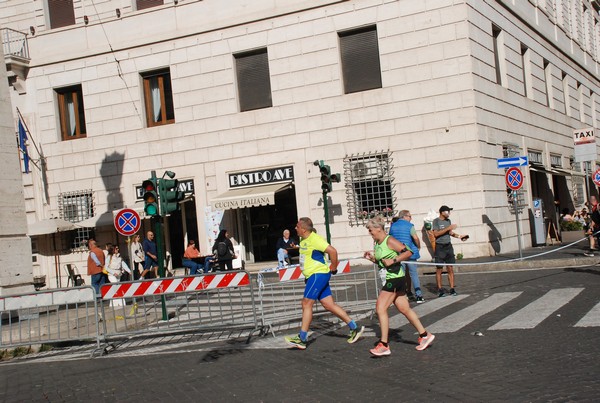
(312, 255)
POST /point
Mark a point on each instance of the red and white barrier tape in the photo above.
(174, 285)
(294, 272)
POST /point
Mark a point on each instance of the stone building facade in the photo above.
(411, 101)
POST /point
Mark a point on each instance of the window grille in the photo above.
(578, 184)
(75, 207)
(555, 161)
(535, 156)
(370, 189)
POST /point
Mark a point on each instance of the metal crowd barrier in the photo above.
(67, 314)
(188, 304)
(355, 291)
(204, 302)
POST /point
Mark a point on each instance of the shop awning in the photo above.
(108, 217)
(560, 172)
(49, 226)
(248, 197)
(554, 171)
(99, 220)
(539, 168)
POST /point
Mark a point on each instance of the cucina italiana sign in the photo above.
(241, 203)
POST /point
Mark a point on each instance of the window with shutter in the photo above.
(360, 59)
(61, 13)
(142, 4)
(158, 98)
(71, 112)
(253, 79)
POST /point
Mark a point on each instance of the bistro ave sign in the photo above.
(261, 177)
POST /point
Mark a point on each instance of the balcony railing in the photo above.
(14, 43)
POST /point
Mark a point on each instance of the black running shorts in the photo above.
(444, 253)
(395, 285)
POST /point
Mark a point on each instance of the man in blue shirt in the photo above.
(404, 231)
(151, 255)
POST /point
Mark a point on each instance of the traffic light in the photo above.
(170, 196)
(336, 178)
(150, 197)
(326, 178)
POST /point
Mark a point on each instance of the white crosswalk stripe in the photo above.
(534, 313)
(460, 319)
(424, 309)
(592, 318)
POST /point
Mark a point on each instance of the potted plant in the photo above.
(571, 231)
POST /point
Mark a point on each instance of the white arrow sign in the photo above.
(512, 162)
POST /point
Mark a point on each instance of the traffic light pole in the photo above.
(159, 246)
(161, 261)
(326, 209)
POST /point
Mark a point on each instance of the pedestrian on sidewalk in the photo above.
(317, 274)
(443, 230)
(136, 252)
(151, 255)
(95, 266)
(388, 254)
(404, 231)
(223, 251)
(594, 230)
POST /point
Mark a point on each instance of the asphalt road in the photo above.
(540, 343)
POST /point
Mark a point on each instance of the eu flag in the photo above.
(23, 146)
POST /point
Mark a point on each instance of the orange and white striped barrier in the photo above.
(294, 272)
(174, 285)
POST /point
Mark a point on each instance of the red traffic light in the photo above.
(148, 186)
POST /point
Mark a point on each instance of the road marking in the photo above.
(592, 318)
(534, 313)
(425, 309)
(460, 319)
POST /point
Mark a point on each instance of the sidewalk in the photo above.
(549, 256)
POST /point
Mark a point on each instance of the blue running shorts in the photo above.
(317, 286)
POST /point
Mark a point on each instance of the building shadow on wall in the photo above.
(334, 209)
(494, 236)
(111, 172)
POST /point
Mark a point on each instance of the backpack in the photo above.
(222, 249)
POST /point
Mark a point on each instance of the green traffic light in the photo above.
(151, 209)
(169, 195)
(150, 197)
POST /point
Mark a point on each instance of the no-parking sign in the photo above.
(596, 177)
(127, 222)
(514, 178)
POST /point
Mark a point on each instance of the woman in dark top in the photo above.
(223, 250)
